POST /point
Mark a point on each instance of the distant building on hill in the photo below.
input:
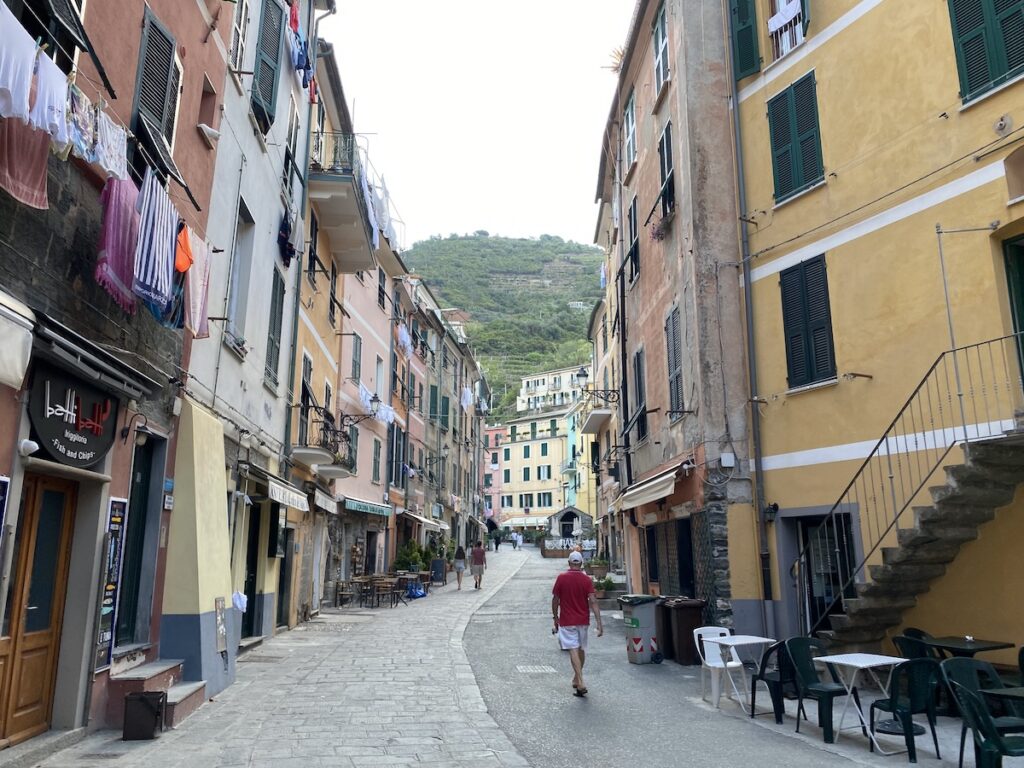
(548, 389)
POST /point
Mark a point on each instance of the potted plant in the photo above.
(603, 586)
(597, 567)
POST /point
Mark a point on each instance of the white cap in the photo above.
(575, 557)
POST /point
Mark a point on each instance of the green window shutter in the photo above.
(376, 461)
(819, 320)
(971, 35)
(357, 357)
(807, 137)
(526, 451)
(805, 13)
(807, 323)
(675, 362)
(445, 404)
(268, 63)
(353, 445)
(1009, 19)
(780, 128)
(746, 58)
(157, 87)
(433, 402)
(274, 331)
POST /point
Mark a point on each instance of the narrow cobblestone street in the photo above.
(399, 687)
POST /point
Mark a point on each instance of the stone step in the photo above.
(843, 623)
(871, 605)
(896, 574)
(945, 513)
(893, 589)
(855, 634)
(1008, 452)
(999, 474)
(978, 494)
(937, 553)
(157, 675)
(182, 700)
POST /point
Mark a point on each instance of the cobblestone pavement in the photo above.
(359, 687)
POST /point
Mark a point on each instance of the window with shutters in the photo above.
(507, 453)
(267, 64)
(375, 473)
(332, 307)
(445, 407)
(156, 95)
(660, 44)
(328, 396)
(543, 449)
(526, 474)
(506, 476)
(506, 501)
(291, 144)
(629, 132)
(746, 57)
(525, 500)
(239, 33)
(353, 445)
(526, 451)
(989, 40)
(807, 323)
(674, 344)
(545, 499)
(795, 138)
(382, 288)
(787, 25)
(305, 398)
(544, 472)
(313, 262)
(667, 195)
(634, 239)
(357, 357)
(640, 389)
(378, 381)
(274, 331)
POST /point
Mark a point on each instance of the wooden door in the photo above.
(30, 640)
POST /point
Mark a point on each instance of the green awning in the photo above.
(355, 505)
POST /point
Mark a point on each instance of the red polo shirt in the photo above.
(572, 589)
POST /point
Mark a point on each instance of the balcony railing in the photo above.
(786, 28)
(569, 467)
(334, 153)
(317, 428)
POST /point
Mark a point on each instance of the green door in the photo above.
(1014, 254)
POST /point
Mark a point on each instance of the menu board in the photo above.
(116, 520)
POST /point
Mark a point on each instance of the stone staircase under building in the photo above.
(970, 400)
(972, 493)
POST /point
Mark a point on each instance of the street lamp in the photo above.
(608, 395)
(444, 455)
(348, 421)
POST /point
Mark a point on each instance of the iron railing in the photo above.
(787, 37)
(334, 153)
(569, 467)
(970, 393)
(317, 427)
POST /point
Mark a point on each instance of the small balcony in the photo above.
(786, 27)
(336, 189)
(317, 440)
(569, 467)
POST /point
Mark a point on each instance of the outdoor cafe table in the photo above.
(856, 663)
(725, 645)
(1015, 694)
(961, 646)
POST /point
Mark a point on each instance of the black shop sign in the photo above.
(74, 421)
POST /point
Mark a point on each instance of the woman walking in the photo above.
(460, 564)
(478, 563)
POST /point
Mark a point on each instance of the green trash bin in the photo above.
(638, 614)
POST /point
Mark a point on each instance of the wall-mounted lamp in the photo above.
(348, 421)
(608, 395)
(140, 437)
(28, 447)
(444, 455)
(771, 511)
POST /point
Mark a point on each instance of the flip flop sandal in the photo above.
(581, 692)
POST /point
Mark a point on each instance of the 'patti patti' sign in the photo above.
(76, 423)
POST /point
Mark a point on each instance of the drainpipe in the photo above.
(313, 22)
(764, 556)
(392, 359)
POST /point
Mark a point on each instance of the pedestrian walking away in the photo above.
(572, 601)
(497, 542)
(478, 564)
(460, 564)
(515, 541)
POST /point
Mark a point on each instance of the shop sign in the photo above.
(116, 520)
(287, 495)
(325, 502)
(356, 505)
(75, 422)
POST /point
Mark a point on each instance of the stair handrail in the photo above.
(894, 444)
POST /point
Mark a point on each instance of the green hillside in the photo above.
(517, 293)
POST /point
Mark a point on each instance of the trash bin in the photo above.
(687, 615)
(143, 714)
(663, 627)
(638, 614)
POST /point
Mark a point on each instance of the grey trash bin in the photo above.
(638, 614)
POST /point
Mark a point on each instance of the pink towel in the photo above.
(197, 283)
(115, 267)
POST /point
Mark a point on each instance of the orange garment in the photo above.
(183, 252)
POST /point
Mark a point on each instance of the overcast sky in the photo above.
(482, 114)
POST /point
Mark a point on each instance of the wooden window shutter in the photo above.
(794, 325)
(268, 63)
(806, 138)
(1009, 19)
(156, 92)
(433, 401)
(675, 362)
(780, 127)
(274, 331)
(746, 57)
(445, 407)
(805, 14)
(973, 45)
(819, 320)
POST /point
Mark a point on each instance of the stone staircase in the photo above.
(968, 499)
(183, 697)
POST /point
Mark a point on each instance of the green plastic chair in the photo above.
(912, 648)
(775, 671)
(911, 692)
(990, 745)
(973, 675)
(919, 634)
(809, 685)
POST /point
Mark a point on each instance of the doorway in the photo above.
(371, 552)
(827, 559)
(1013, 251)
(684, 555)
(135, 596)
(252, 618)
(30, 636)
(284, 578)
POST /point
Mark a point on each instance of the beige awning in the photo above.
(652, 489)
(16, 324)
(431, 525)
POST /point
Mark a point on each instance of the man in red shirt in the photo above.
(572, 600)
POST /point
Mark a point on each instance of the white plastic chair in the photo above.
(712, 663)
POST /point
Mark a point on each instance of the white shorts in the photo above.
(573, 637)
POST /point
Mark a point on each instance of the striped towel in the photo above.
(154, 254)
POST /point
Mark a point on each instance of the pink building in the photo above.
(492, 472)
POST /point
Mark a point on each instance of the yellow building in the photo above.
(532, 454)
(881, 182)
